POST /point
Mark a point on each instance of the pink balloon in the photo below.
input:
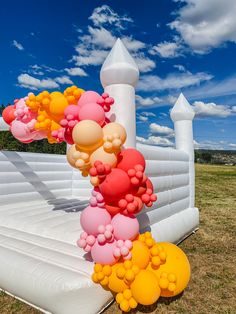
(72, 110)
(92, 111)
(88, 97)
(104, 253)
(125, 227)
(92, 217)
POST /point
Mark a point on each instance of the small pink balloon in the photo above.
(125, 227)
(124, 250)
(91, 240)
(92, 111)
(92, 217)
(104, 253)
(88, 97)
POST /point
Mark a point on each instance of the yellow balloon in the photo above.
(87, 135)
(174, 274)
(115, 284)
(140, 254)
(145, 288)
(101, 155)
(56, 94)
(113, 128)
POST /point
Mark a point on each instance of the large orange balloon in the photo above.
(174, 274)
(145, 288)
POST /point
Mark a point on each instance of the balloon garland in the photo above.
(133, 266)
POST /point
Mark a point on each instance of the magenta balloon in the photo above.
(103, 253)
(92, 217)
(125, 227)
(92, 111)
(88, 97)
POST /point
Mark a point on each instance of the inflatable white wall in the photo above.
(41, 198)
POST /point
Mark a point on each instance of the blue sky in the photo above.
(184, 46)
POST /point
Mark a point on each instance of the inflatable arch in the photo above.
(41, 199)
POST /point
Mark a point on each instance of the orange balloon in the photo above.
(145, 288)
(140, 254)
(174, 274)
(116, 284)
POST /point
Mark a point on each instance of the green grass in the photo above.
(211, 251)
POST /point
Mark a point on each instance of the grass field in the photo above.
(211, 251)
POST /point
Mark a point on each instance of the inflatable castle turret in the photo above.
(182, 115)
(119, 76)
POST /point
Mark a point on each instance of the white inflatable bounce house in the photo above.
(41, 199)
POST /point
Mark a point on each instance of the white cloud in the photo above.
(148, 114)
(172, 81)
(105, 15)
(91, 57)
(204, 25)
(180, 67)
(76, 72)
(100, 37)
(147, 101)
(161, 130)
(144, 63)
(17, 45)
(31, 82)
(208, 144)
(155, 140)
(166, 50)
(133, 44)
(211, 110)
(214, 89)
(63, 80)
(142, 118)
(233, 145)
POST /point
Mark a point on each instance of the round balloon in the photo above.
(145, 288)
(115, 128)
(88, 97)
(129, 158)
(87, 135)
(104, 157)
(125, 227)
(8, 114)
(92, 217)
(115, 186)
(103, 253)
(116, 284)
(140, 254)
(92, 111)
(174, 274)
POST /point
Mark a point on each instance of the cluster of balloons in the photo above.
(54, 115)
(133, 266)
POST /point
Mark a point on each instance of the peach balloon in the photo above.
(87, 135)
(115, 284)
(115, 128)
(101, 155)
(69, 155)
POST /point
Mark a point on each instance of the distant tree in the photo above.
(206, 157)
(2, 107)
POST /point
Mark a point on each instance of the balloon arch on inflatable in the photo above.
(133, 266)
